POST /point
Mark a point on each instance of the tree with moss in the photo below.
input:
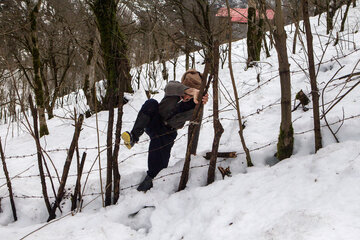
(117, 72)
(37, 82)
(255, 34)
(286, 136)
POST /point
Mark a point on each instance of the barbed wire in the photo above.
(103, 147)
(220, 110)
(135, 185)
(172, 173)
(135, 154)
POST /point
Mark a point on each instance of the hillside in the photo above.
(308, 196)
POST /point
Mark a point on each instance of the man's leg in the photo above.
(148, 110)
(158, 156)
(159, 152)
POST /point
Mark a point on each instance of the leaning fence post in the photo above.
(39, 156)
(77, 193)
(60, 193)
(8, 182)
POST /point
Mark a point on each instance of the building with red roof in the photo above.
(239, 15)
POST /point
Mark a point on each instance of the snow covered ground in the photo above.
(308, 196)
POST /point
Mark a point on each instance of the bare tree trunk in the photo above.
(348, 3)
(89, 84)
(187, 60)
(286, 138)
(316, 7)
(266, 47)
(255, 33)
(186, 36)
(196, 129)
(39, 155)
(109, 162)
(99, 155)
(241, 128)
(117, 68)
(203, 89)
(117, 148)
(314, 89)
(60, 193)
(251, 35)
(218, 128)
(174, 67)
(295, 36)
(39, 93)
(330, 13)
(208, 44)
(8, 182)
(46, 86)
(164, 71)
(77, 193)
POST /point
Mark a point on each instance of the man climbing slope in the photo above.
(161, 121)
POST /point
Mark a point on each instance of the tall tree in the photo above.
(117, 71)
(89, 81)
(314, 88)
(38, 84)
(286, 136)
(255, 33)
(348, 3)
(330, 13)
(218, 128)
(207, 32)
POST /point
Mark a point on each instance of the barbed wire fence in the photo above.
(163, 176)
(207, 119)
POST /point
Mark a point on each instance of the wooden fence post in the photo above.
(8, 182)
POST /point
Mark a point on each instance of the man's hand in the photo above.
(193, 92)
(205, 99)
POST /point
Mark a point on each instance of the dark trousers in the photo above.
(161, 137)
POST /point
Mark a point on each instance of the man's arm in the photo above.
(174, 88)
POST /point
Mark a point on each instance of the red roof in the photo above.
(239, 15)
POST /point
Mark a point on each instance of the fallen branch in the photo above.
(225, 171)
(221, 155)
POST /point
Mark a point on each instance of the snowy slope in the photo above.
(308, 196)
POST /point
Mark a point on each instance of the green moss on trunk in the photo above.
(285, 143)
(259, 37)
(254, 35)
(114, 49)
(44, 130)
(117, 68)
(251, 34)
(38, 85)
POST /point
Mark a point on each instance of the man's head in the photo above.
(192, 79)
